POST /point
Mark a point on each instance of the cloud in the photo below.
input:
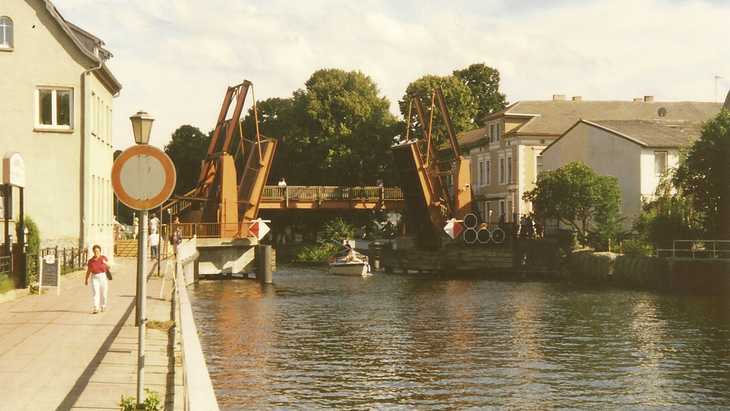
(175, 59)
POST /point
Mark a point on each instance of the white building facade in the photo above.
(638, 153)
(56, 112)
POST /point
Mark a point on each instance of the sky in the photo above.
(176, 58)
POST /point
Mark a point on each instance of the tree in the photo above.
(459, 100)
(276, 121)
(670, 216)
(483, 82)
(187, 149)
(337, 130)
(704, 175)
(576, 196)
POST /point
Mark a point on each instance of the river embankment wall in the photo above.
(667, 274)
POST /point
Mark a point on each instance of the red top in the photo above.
(97, 265)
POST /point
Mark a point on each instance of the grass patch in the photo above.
(6, 283)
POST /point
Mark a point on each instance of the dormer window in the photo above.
(6, 33)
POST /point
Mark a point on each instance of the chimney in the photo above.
(577, 98)
(558, 97)
(637, 99)
(648, 99)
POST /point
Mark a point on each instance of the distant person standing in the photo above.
(97, 268)
(154, 224)
(154, 244)
(282, 183)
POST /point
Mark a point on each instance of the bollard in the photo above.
(263, 262)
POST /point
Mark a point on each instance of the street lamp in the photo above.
(142, 126)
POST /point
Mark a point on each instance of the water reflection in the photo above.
(319, 341)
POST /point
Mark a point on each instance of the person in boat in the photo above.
(350, 253)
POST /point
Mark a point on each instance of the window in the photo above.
(492, 134)
(501, 170)
(488, 172)
(660, 162)
(6, 33)
(510, 209)
(538, 164)
(499, 134)
(509, 170)
(502, 210)
(54, 108)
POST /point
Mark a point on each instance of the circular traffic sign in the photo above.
(143, 177)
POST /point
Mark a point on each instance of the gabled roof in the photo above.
(650, 134)
(470, 138)
(86, 43)
(654, 133)
(551, 117)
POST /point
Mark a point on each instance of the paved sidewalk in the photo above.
(55, 354)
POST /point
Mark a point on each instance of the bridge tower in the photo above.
(232, 175)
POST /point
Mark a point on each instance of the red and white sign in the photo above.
(143, 177)
(454, 228)
(259, 228)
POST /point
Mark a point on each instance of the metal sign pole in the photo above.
(141, 297)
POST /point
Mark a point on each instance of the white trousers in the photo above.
(99, 290)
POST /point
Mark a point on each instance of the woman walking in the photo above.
(97, 269)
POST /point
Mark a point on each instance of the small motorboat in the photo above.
(349, 262)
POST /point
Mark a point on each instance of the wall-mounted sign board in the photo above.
(14, 169)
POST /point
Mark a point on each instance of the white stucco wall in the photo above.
(99, 158)
(43, 55)
(607, 154)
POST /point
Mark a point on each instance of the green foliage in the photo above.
(315, 254)
(459, 100)
(470, 94)
(704, 174)
(483, 81)
(336, 231)
(670, 216)
(187, 149)
(332, 233)
(151, 402)
(580, 198)
(606, 232)
(33, 239)
(336, 131)
(637, 247)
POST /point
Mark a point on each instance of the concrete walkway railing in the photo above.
(199, 393)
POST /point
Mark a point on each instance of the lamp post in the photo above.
(141, 126)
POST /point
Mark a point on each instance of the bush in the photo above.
(335, 231)
(33, 240)
(636, 247)
(315, 254)
(151, 402)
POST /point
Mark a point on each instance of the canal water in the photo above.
(314, 340)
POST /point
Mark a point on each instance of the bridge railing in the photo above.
(208, 230)
(697, 249)
(331, 193)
